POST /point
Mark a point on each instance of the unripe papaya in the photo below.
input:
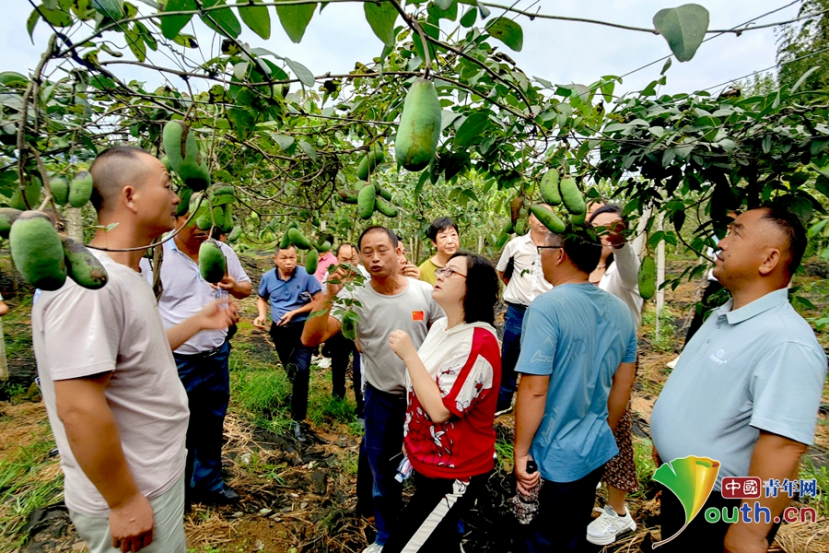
(419, 130)
(204, 222)
(312, 261)
(32, 195)
(8, 215)
(167, 165)
(227, 219)
(571, 196)
(293, 224)
(80, 189)
(548, 218)
(218, 217)
(348, 196)
(385, 207)
(184, 195)
(235, 234)
(370, 162)
(578, 219)
(183, 152)
(549, 187)
(298, 239)
(521, 227)
(37, 251)
(304, 214)
(225, 190)
(510, 228)
(324, 247)
(366, 200)
(316, 221)
(285, 242)
(60, 190)
(212, 261)
(83, 267)
(647, 278)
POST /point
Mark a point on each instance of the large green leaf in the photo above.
(109, 8)
(471, 128)
(257, 18)
(228, 23)
(57, 17)
(509, 32)
(295, 19)
(172, 25)
(302, 73)
(684, 28)
(381, 17)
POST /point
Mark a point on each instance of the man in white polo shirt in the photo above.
(747, 388)
(116, 406)
(520, 269)
(202, 360)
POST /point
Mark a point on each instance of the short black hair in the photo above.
(337, 250)
(379, 228)
(606, 208)
(481, 289)
(438, 225)
(582, 246)
(277, 249)
(791, 226)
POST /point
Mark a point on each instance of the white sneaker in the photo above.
(605, 529)
(373, 548)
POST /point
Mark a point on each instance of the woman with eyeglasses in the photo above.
(452, 389)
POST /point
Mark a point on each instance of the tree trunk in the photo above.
(74, 223)
(4, 365)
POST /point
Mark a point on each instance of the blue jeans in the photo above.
(510, 349)
(206, 380)
(296, 360)
(385, 414)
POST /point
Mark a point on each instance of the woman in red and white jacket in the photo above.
(452, 388)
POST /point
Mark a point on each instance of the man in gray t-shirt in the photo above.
(388, 302)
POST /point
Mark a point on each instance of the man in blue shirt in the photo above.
(289, 289)
(577, 365)
(747, 388)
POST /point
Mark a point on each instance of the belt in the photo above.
(519, 306)
(203, 354)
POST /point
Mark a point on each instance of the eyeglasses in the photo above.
(542, 248)
(446, 273)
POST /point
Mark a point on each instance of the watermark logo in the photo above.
(751, 487)
(691, 479)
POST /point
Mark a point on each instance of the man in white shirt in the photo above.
(202, 360)
(116, 406)
(525, 282)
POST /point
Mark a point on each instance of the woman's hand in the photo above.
(402, 345)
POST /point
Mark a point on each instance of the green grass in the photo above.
(809, 471)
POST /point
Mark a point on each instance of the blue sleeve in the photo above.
(786, 389)
(312, 284)
(539, 339)
(630, 355)
(263, 287)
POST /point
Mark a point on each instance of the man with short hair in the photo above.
(443, 234)
(747, 388)
(577, 365)
(202, 361)
(388, 302)
(117, 408)
(520, 269)
(406, 267)
(290, 290)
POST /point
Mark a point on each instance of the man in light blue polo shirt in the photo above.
(747, 388)
(578, 356)
(289, 289)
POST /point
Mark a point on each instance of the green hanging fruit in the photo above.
(212, 261)
(285, 242)
(548, 218)
(324, 247)
(571, 196)
(298, 239)
(647, 278)
(419, 130)
(385, 207)
(370, 162)
(8, 215)
(32, 195)
(312, 261)
(80, 189)
(37, 251)
(184, 195)
(185, 157)
(82, 266)
(383, 193)
(167, 165)
(366, 201)
(549, 187)
(60, 190)
(235, 234)
(347, 196)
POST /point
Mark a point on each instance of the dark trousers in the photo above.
(341, 349)
(383, 441)
(296, 360)
(206, 380)
(430, 520)
(564, 511)
(701, 311)
(510, 349)
(700, 535)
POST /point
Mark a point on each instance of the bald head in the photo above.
(116, 168)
